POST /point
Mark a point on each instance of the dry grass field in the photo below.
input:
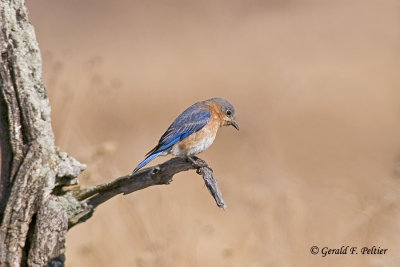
(316, 86)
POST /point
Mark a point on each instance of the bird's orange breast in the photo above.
(198, 141)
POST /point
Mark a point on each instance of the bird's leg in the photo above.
(197, 162)
(191, 160)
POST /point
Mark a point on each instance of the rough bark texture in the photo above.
(30, 161)
(39, 196)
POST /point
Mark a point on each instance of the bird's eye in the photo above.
(228, 112)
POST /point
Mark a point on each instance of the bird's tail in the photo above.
(146, 160)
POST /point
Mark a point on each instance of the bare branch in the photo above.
(160, 174)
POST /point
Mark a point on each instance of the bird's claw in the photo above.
(198, 163)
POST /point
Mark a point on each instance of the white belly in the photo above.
(194, 144)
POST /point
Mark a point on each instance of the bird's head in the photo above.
(227, 112)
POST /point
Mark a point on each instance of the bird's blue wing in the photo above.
(190, 121)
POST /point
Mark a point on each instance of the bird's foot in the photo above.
(197, 162)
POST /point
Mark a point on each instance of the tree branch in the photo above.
(93, 196)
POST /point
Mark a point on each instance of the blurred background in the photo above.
(316, 160)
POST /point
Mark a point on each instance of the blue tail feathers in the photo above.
(146, 160)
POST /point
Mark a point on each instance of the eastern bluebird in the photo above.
(194, 130)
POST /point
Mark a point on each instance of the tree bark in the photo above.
(39, 196)
(30, 160)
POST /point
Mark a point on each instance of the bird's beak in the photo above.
(234, 124)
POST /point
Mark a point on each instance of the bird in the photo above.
(194, 130)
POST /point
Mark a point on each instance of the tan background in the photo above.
(316, 87)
